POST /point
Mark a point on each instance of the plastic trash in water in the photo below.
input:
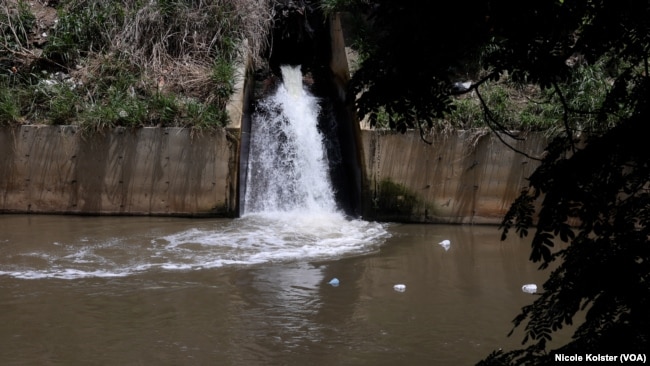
(399, 287)
(530, 288)
(445, 244)
(334, 282)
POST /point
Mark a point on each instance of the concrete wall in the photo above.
(462, 177)
(149, 171)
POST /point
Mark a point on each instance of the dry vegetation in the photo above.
(102, 63)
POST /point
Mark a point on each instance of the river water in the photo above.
(171, 291)
(258, 290)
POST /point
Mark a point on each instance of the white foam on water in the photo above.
(252, 239)
(279, 236)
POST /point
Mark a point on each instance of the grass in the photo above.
(16, 23)
(9, 107)
(526, 107)
(529, 108)
(127, 62)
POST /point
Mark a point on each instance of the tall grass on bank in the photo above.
(527, 107)
(128, 63)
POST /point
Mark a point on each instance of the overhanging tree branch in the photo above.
(565, 115)
(490, 120)
(422, 132)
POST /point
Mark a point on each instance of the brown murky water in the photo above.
(128, 291)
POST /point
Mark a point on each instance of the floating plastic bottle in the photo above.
(334, 282)
(445, 244)
(530, 288)
(399, 287)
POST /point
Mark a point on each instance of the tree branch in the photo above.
(475, 85)
(565, 115)
(489, 119)
(422, 132)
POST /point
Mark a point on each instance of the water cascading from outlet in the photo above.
(290, 213)
(287, 167)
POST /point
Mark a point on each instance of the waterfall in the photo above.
(288, 168)
(289, 214)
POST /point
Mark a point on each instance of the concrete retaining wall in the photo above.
(462, 177)
(148, 171)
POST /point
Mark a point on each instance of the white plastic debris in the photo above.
(530, 288)
(445, 244)
(461, 86)
(334, 282)
(400, 287)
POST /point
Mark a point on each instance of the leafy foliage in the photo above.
(605, 271)
(589, 60)
(412, 54)
(603, 186)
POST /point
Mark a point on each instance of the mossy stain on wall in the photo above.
(393, 201)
